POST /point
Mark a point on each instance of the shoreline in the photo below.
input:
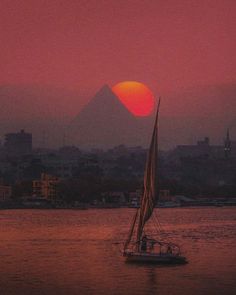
(112, 207)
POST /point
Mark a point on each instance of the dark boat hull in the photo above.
(142, 257)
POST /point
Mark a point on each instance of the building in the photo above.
(46, 187)
(134, 198)
(164, 195)
(114, 197)
(18, 143)
(5, 192)
(233, 149)
(229, 147)
(202, 148)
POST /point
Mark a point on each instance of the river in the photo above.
(78, 252)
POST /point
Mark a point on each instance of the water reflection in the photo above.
(77, 252)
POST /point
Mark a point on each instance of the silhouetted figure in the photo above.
(169, 250)
(144, 244)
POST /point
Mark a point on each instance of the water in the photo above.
(78, 252)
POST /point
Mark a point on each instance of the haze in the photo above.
(79, 46)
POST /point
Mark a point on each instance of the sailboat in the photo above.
(140, 247)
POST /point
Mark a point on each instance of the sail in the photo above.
(150, 194)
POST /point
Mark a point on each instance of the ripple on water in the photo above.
(78, 252)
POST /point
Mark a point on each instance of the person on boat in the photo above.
(152, 244)
(144, 243)
(169, 250)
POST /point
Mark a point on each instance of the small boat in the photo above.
(140, 247)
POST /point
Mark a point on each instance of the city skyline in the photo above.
(210, 112)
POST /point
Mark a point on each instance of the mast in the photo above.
(150, 193)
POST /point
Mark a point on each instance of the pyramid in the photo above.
(105, 122)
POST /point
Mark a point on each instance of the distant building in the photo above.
(202, 148)
(5, 192)
(233, 149)
(229, 147)
(114, 197)
(70, 152)
(18, 143)
(58, 165)
(46, 187)
(134, 198)
(164, 195)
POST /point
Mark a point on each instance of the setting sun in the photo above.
(137, 98)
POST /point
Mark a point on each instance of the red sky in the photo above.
(83, 44)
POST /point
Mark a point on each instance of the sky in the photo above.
(84, 44)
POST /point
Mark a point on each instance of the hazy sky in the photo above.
(82, 44)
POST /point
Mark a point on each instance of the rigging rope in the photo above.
(162, 232)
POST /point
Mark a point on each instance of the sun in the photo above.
(136, 96)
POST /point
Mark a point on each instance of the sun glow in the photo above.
(137, 98)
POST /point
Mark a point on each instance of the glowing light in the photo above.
(137, 98)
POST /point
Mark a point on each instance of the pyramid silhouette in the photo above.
(105, 122)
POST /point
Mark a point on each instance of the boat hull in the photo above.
(139, 257)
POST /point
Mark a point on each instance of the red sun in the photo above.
(137, 98)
